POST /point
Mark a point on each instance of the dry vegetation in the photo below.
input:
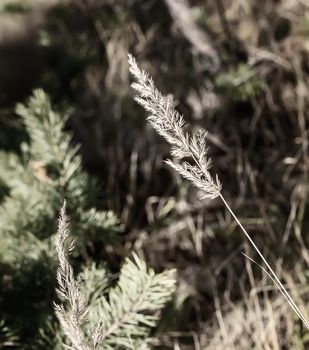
(240, 70)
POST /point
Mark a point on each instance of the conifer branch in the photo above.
(117, 320)
(133, 306)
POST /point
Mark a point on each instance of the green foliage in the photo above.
(301, 30)
(50, 337)
(49, 169)
(130, 309)
(33, 185)
(240, 83)
(94, 316)
(17, 7)
(7, 337)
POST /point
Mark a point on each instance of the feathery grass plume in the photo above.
(98, 318)
(169, 123)
(72, 318)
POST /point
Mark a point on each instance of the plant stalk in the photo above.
(272, 273)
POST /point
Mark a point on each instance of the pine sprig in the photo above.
(49, 169)
(49, 143)
(33, 184)
(132, 307)
(7, 338)
(114, 320)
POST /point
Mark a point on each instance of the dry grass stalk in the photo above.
(181, 13)
(169, 123)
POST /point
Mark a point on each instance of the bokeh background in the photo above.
(236, 68)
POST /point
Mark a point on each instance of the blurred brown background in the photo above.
(237, 68)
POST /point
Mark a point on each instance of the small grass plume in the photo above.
(74, 317)
(94, 316)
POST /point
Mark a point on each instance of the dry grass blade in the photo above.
(169, 123)
(181, 13)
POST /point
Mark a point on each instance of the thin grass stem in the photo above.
(270, 271)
